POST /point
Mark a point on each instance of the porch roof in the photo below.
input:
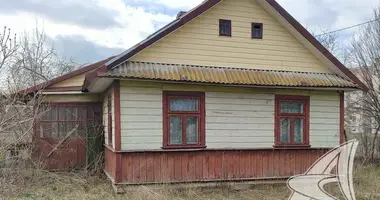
(228, 76)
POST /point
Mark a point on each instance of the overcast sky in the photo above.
(89, 30)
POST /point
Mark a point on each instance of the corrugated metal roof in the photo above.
(223, 75)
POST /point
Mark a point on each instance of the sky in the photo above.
(90, 30)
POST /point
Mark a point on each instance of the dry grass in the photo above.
(37, 184)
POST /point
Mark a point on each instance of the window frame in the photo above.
(167, 95)
(39, 128)
(109, 119)
(221, 21)
(306, 116)
(252, 30)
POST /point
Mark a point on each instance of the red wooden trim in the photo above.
(109, 119)
(200, 113)
(305, 116)
(276, 148)
(65, 77)
(116, 90)
(341, 118)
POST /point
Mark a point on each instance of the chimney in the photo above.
(180, 14)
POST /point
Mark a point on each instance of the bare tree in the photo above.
(26, 62)
(36, 61)
(8, 46)
(365, 53)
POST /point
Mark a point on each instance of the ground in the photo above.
(38, 184)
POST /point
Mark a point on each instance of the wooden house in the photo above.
(233, 90)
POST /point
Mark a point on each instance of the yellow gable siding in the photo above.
(199, 43)
(72, 82)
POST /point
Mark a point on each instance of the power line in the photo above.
(349, 27)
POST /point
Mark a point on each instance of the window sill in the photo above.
(174, 148)
(284, 146)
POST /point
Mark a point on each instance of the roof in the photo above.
(67, 76)
(207, 4)
(224, 75)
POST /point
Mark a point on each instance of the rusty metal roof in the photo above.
(224, 75)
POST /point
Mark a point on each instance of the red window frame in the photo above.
(305, 115)
(109, 119)
(200, 113)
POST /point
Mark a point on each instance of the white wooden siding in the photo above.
(235, 118)
(105, 116)
(141, 116)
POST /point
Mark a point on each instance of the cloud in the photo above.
(110, 25)
(330, 14)
(83, 13)
(134, 24)
(81, 50)
(166, 4)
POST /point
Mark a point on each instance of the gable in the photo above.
(75, 81)
(198, 42)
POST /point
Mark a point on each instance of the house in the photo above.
(233, 90)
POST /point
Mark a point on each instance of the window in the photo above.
(109, 114)
(257, 30)
(225, 27)
(68, 120)
(184, 120)
(292, 121)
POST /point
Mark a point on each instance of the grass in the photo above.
(37, 184)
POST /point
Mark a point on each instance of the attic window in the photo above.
(257, 30)
(225, 27)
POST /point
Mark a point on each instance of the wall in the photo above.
(75, 81)
(235, 117)
(198, 42)
(105, 115)
(195, 166)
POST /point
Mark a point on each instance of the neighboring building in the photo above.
(232, 90)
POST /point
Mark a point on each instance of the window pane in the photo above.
(291, 107)
(225, 27)
(192, 130)
(257, 33)
(284, 130)
(298, 131)
(183, 104)
(175, 130)
(71, 113)
(61, 114)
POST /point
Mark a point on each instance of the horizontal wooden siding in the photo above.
(235, 118)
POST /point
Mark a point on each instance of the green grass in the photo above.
(34, 184)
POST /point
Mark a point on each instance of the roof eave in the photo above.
(64, 77)
(304, 87)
